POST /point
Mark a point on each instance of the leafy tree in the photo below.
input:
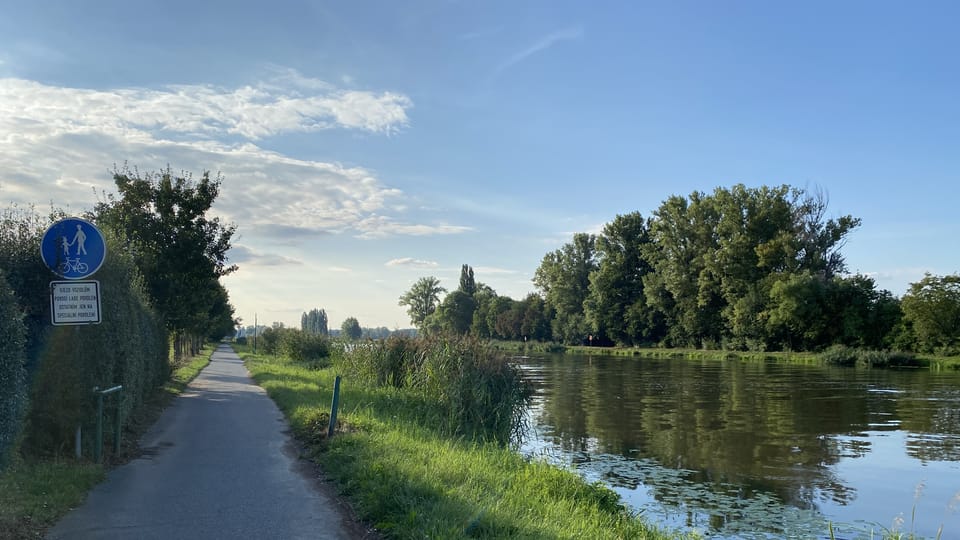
(536, 318)
(564, 278)
(716, 258)
(422, 299)
(485, 298)
(456, 312)
(458, 308)
(350, 329)
(810, 312)
(932, 307)
(498, 306)
(510, 321)
(180, 251)
(681, 287)
(315, 322)
(219, 318)
(467, 283)
(615, 305)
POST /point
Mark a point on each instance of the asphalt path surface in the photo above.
(217, 464)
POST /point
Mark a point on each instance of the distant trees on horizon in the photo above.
(740, 268)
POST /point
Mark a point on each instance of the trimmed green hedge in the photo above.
(13, 380)
(65, 363)
(128, 347)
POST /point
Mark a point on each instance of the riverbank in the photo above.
(931, 362)
(35, 494)
(402, 476)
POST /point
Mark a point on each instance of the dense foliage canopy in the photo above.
(162, 219)
(350, 329)
(739, 268)
(315, 322)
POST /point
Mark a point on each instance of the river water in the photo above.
(750, 449)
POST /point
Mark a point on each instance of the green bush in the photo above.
(269, 340)
(304, 347)
(13, 394)
(841, 355)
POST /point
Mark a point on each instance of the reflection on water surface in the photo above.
(734, 448)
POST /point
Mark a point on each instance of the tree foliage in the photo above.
(932, 307)
(739, 268)
(467, 282)
(715, 259)
(456, 312)
(422, 299)
(564, 278)
(350, 329)
(615, 306)
(162, 218)
(315, 322)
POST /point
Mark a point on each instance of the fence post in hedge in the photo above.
(98, 443)
(334, 406)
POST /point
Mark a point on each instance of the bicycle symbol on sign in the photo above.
(73, 265)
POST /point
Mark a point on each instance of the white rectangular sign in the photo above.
(75, 302)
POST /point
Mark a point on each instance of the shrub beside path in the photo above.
(218, 464)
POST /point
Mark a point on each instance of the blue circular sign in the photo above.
(73, 248)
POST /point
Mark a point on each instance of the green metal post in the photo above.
(116, 428)
(333, 408)
(98, 443)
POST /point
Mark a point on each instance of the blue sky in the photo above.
(366, 144)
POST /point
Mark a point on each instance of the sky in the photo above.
(364, 145)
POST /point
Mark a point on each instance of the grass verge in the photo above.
(35, 494)
(402, 476)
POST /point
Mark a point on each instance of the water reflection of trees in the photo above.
(765, 428)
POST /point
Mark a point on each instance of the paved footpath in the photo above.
(217, 464)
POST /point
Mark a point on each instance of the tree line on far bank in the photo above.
(741, 268)
(159, 288)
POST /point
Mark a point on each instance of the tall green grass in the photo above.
(397, 462)
(476, 392)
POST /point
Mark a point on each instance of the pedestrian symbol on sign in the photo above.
(73, 248)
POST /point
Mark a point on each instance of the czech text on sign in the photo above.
(73, 248)
(75, 302)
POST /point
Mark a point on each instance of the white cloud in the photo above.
(60, 143)
(339, 269)
(30, 108)
(410, 262)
